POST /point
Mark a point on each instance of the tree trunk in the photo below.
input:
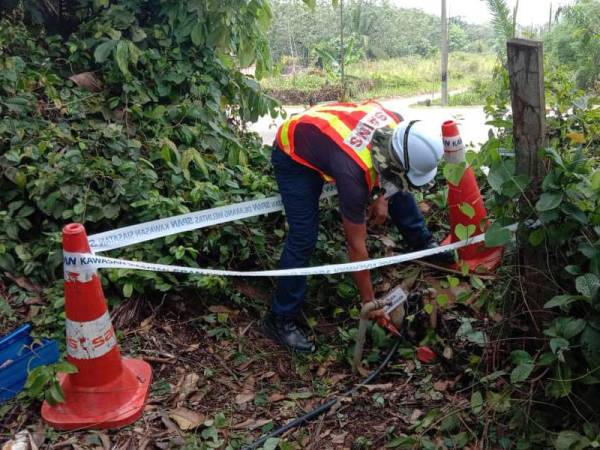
(444, 52)
(526, 71)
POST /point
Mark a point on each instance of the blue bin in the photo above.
(19, 355)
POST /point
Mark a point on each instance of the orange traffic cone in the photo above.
(476, 256)
(107, 391)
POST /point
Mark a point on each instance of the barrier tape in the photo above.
(134, 234)
(81, 265)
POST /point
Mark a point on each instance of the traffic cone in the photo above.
(476, 256)
(107, 391)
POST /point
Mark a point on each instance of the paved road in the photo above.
(471, 119)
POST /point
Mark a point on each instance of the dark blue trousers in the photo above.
(300, 188)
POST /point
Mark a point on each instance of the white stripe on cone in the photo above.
(454, 149)
(89, 340)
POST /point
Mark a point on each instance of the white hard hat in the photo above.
(419, 147)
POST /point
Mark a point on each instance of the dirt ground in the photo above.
(218, 383)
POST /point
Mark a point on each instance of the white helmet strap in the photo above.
(405, 144)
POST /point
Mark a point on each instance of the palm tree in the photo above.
(504, 23)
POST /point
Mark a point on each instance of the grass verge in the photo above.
(384, 78)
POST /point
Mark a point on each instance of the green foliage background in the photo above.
(160, 134)
(379, 29)
(574, 41)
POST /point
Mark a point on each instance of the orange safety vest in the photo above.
(351, 126)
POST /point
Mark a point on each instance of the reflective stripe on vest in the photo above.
(350, 126)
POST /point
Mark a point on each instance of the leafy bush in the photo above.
(574, 43)
(150, 126)
(564, 224)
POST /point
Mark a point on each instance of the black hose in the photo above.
(325, 406)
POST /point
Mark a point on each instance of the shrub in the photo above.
(150, 127)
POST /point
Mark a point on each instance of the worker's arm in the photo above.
(356, 238)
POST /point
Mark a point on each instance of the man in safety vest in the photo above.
(374, 158)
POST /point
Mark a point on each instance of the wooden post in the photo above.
(526, 72)
(444, 53)
(342, 52)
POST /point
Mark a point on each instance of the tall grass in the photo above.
(393, 77)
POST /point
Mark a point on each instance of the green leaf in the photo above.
(271, 444)
(571, 440)
(477, 283)
(453, 281)
(587, 284)
(243, 158)
(464, 268)
(134, 53)
(246, 53)
(562, 300)
(104, 50)
(467, 210)
(122, 57)
(65, 367)
(55, 394)
(20, 179)
(595, 180)
(464, 232)
(442, 300)
(402, 443)
(428, 308)
(454, 172)
(573, 270)
(560, 386)
(111, 210)
(476, 402)
(590, 346)
(310, 3)
(498, 401)
(127, 290)
(521, 372)
(537, 237)
(198, 35)
(520, 357)
(549, 201)
(546, 359)
(558, 345)
(450, 424)
(346, 290)
(496, 236)
(573, 327)
(199, 161)
(300, 395)
(36, 381)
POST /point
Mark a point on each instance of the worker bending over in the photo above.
(374, 158)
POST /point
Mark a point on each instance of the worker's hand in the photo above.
(378, 211)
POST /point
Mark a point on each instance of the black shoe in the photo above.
(445, 258)
(287, 332)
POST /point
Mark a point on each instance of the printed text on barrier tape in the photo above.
(81, 265)
(134, 234)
